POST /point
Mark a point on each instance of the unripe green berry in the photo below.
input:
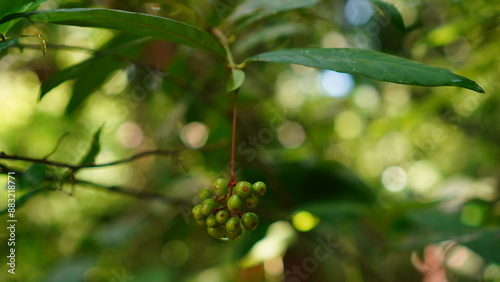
(205, 194)
(233, 224)
(201, 222)
(197, 214)
(235, 203)
(259, 188)
(233, 235)
(211, 222)
(243, 189)
(208, 206)
(220, 186)
(250, 221)
(217, 232)
(252, 201)
(222, 217)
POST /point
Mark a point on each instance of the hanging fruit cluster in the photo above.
(221, 210)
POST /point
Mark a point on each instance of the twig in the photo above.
(137, 194)
(75, 168)
(53, 46)
(118, 189)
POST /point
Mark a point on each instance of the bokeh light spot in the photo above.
(129, 134)
(457, 257)
(358, 12)
(348, 125)
(291, 134)
(304, 221)
(394, 178)
(423, 176)
(366, 97)
(336, 84)
(472, 214)
(194, 135)
(288, 93)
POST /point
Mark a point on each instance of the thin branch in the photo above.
(53, 46)
(137, 194)
(117, 189)
(233, 138)
(44, 161)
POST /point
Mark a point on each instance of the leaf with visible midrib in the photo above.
(371, 64)
(136, 23)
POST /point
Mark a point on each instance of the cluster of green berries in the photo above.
(221, 208)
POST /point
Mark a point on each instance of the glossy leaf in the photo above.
(18, 6)
(390, 12)
(235, 80)
(95, 148)
(371, 64)
(253, 10)
(130, 22)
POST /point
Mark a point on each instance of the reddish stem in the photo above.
(219, 209)
(232, 178)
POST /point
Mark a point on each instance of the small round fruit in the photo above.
(233, 224)
(205, 193)
(250, 221)
(243, 189)
(220, 186)
(197, 214)
(211, 222)
(252, 201)
(233, 235)
(208, 206)
(222, 217)
(235, 203)
(259, 188)
(201, 222)
(216, 232)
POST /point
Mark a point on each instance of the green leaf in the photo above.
(95, 148)
(269, 34)
(130, 22)
(8, 43)
(371, 64)
(92, 73)
(21, 200)
(16, 6)
(254, 10)
(90, 80)
(236, 80)
(33, 176)
(390, 12)
(485, 243)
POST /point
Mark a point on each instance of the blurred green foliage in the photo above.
(391, 182)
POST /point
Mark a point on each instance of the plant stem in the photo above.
(232, 65)
(223, 40)
(44, 161)
(53, 46)
(233, 139)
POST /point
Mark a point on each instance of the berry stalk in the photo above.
(232, 178)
